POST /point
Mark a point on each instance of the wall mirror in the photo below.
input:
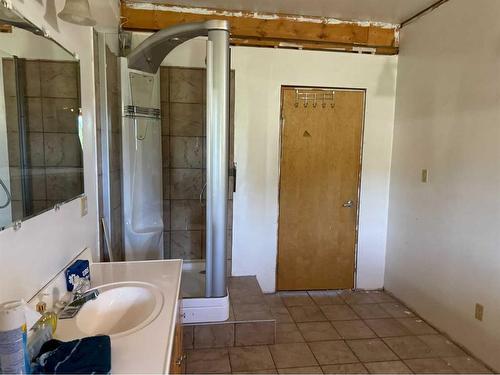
(41, 155)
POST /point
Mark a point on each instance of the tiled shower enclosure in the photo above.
(184, 162)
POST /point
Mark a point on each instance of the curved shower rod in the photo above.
(148, 55)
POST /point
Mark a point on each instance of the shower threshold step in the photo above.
(251, 320)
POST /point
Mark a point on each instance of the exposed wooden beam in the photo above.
(267, 30)
(5, 28)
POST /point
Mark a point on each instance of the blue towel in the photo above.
(90, 355)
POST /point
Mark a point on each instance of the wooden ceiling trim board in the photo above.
(5, 28)
(269, 29)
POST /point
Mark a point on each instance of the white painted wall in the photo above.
(22, 43)
(443, 241)
(31, 256)
(260, 72)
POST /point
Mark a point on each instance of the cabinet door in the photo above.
(178, 362)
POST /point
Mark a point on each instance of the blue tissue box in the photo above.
(80, 268)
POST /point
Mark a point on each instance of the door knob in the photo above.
(348, 204)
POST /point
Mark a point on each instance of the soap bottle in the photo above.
(42, 330)
(48, 317)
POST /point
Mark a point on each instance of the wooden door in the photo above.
(319, 185)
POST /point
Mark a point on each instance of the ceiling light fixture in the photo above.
(77, 12)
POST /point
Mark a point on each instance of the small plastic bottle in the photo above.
(42, 330)
(13, 339)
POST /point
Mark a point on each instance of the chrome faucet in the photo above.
(81, 295)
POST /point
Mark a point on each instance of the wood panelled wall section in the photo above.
(273, 30)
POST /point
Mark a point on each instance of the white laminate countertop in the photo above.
(149, 349)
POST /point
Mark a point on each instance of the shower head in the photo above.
(148, 55)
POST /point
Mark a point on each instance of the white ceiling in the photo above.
(390, 11)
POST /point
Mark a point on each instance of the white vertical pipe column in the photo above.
(217, 160)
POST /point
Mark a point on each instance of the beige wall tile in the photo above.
(61, 150)
(186, 85)
(187, 215)
(60, 115)
(59, 79)
(185, 152)
(186, 119)
(185, 183)
(185, 244)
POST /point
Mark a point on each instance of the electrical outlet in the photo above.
(84, 206)
(425, 176)
(479, 312)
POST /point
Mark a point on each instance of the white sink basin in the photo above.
(120, 309)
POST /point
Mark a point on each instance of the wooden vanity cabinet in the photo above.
(178, 362)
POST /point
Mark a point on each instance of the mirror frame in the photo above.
(25, 24)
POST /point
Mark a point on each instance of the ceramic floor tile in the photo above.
(358, 297)
(288, 333)
(255, 333)
(332, 352)
(250, 358)
(429, 366)
(255, 311)
(243, 298)
(301, 370)
(306, 313)
(339, 312)
(244, 282)
(318, 331)
(273, 300)
(348, 368)
(353, 329)
(296, 299)
(326, 297)
(391, 367)
(292, 355)
(396, 310)
(371, 350)
(467, 365)
(187, 337)
(266, 371)
(442, 347)
(370, 311)
(281, 314)
(208, 361)
(417, 326)
(380, 296)
(409, 347)
(387, 327)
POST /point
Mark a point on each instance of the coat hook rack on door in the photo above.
(313, 96)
